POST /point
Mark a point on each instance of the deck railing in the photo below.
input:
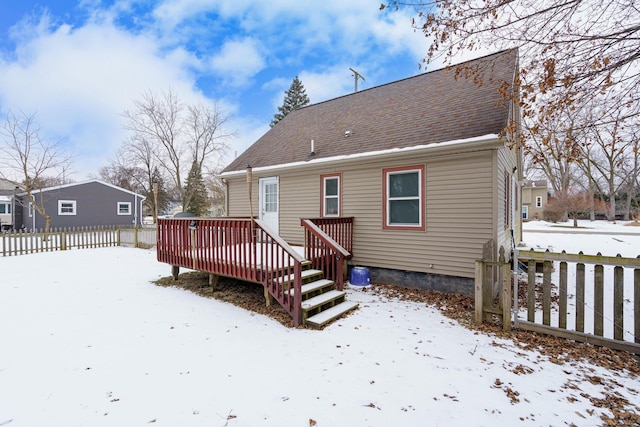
(241, 248)
(325, 252)
(339, 229)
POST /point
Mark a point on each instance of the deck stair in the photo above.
(321, 302)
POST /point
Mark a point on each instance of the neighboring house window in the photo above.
(538, 201)
(404, 198)
(124, 208)
(331, 195)
(66, 207)
(525, 212)
(5, 208)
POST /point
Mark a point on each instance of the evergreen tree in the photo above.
(196, 189)
(295, 97)
(163, 194)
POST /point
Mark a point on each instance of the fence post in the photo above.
(506, 291)
(636, 298)
(618, 302)
(135, 237)
(63, 240)
(479, 285)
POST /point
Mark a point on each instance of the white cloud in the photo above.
(81, 80)
(238, 61)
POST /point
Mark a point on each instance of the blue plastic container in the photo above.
(360, 276)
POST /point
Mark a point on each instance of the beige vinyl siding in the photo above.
(458, 196)
(459, 207)
(506, 162)
(238, 197)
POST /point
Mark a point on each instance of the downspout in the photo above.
(135, 211)
(516, 321)
(226, 196)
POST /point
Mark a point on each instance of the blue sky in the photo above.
(80, 63)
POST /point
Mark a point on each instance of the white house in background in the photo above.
(534, 199)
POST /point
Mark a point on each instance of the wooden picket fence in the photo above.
(24, 242)
(580, 297)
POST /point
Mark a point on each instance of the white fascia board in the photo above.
(75, 184)
(468, 143)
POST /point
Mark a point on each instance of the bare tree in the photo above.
(573, 52)
(605, 157)
(32, 159)
(173, 137)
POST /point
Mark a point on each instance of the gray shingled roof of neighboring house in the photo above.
(428, 108)
(538, 183)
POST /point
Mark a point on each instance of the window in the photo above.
(331, 194)
(507, 199)
(124, 208)
(538, 201)
(271, 197)
(66, 207)
(403, 191)
(5, 208)
(525, 212)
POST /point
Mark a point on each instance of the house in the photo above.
(8, 190)
(423, 165)
(90, 203)
(534, 199)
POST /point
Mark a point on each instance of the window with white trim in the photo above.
(66, 207)
(404, 198)
(124, 208)
(5, 208)
(525, 212)
(331, 195)
(538, 201)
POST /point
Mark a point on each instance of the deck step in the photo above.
(313, 286)
(322, 299)
(332, 313)
(306, 274)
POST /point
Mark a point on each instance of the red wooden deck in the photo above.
(248, 250)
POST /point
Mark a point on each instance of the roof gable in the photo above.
(429, 108)
(96, 181)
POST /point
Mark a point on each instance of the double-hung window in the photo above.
(404, 202)
(331, 193)
(124, 208)
(66, 207)
(538, 201)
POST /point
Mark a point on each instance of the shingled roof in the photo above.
(428, 108)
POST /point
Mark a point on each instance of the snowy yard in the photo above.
(87, 340)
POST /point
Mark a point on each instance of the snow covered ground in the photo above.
(87, 340)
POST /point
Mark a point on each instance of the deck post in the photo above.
(268, 297)
(175, 271)
(213, 281)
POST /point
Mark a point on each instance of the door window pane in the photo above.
(271, 197)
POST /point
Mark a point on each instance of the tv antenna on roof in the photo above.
(356, 76)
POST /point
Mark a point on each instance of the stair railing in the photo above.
(339, 229)
(325, 253)
(278, 264)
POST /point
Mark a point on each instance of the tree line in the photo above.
(578, 86)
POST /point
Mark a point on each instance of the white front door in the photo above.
(269, 202)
